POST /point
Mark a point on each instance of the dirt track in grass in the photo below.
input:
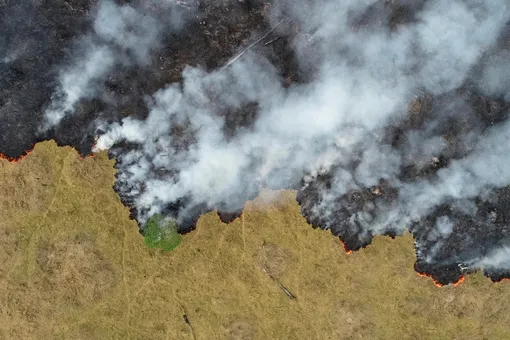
(74, 266)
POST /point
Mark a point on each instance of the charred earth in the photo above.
(40, 43)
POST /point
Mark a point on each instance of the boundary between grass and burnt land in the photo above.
(174, 238)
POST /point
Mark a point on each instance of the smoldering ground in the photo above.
(385, 115)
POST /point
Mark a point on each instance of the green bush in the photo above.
(161, 232)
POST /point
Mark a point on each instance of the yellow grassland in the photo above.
(74, 266)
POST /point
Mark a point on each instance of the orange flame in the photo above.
(461, 279)
(347, 251)
(15, 160)
(87, 157)
(439, 285)
(28, 152)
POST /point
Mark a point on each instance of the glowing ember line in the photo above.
(439, 285)
(462, 278)
(28, 152)
(347, 251)
(16, 160)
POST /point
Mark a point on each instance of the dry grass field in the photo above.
(74, 266)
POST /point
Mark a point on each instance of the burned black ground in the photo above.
(35, 47)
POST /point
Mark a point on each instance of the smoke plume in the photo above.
(121, 35)
(384, 115)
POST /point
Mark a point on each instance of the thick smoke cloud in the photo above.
(308, 128)
(495, 260)
(121, 35)
(382, 134)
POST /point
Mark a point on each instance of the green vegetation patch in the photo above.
(161, 232)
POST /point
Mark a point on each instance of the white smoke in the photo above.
(77, 83)
(364, 81)
(362, 78)
(484, 169)
(121, 35)
(127, 28)
(496, 75)
(497, 259)
(443, 228)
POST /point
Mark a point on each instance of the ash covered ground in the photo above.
(384, 115)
